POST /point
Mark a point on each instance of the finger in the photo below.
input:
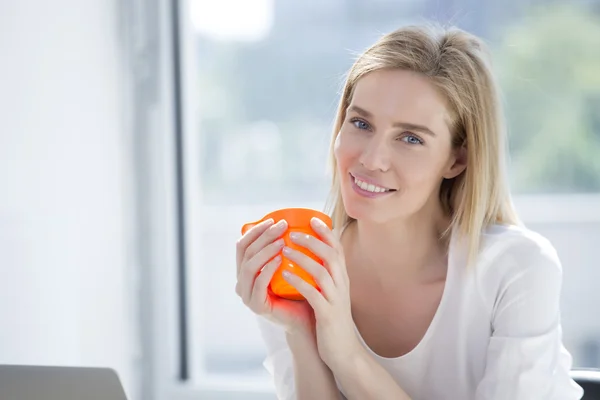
(316, 270)
(329, 238)
(250, 236)
(325, 233)
(268, 236)
(310, 293)
(320, 249)
(259, 294)
(252, 267)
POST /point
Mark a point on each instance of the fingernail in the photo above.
(294, 235)
(287, 250)
(279, 242)
(286, 273)
(318, 222)
(281, 224)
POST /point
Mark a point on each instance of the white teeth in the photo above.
(369, 187)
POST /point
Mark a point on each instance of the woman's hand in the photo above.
(257, 261)
(336, 338)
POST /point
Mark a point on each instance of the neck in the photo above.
(410, 246)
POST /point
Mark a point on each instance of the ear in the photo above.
(457, 163)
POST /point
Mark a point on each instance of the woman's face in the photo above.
(394, 147)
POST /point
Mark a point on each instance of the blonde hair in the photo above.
(457, 63)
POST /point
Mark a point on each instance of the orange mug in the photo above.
(298, 220)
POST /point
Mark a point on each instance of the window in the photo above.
(264, 88)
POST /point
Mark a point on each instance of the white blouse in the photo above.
(495, 335)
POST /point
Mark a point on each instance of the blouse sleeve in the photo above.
(525, 357)
(279, 361)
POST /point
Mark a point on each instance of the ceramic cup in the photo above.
(298, 220)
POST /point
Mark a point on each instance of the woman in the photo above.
(431, 288)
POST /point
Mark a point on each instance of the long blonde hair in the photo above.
(457, 63)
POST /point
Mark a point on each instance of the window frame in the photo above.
(159, 44)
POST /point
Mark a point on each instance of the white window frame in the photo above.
(148, 30)
(148, 33)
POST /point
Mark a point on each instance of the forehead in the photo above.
(394, 95)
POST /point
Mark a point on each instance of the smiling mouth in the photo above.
(369, 187)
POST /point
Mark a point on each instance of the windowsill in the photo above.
(562, 208)
(223, 388)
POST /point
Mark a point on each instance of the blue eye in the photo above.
(412, 139)
(360, 124)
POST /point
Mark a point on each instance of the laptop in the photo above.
(24, 382)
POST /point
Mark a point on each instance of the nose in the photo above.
(376, 154)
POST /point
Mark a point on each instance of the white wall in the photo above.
(64, 258)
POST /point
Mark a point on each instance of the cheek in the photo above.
(346, 150)
(419, 166)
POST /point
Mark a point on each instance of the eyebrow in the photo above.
(403, 125)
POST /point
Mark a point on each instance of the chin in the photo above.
(367, 214)
(358, 209)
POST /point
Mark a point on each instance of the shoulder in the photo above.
(516, 244)
(514, 253)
